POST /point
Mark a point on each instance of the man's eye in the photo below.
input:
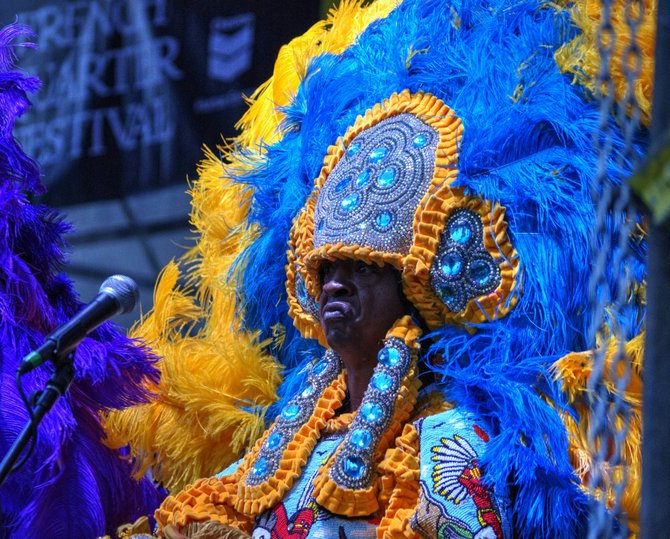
(363, 268)
(326, 269)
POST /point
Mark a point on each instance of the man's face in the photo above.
(358, 304)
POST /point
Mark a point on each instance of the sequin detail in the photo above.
(306, 301)
(462, 268)
(371, 195)
(291, 418)
(351, 468)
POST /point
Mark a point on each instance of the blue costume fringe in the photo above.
(528, 145)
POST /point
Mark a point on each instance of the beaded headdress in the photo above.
(384, 195)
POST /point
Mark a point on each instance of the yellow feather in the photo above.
(217, 380)
(581, 59)
(344, 24)
(573, 371)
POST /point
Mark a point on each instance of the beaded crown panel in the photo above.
(370, 197)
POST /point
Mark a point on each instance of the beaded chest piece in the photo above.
(385, 196)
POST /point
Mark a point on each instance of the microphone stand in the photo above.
(56, 387)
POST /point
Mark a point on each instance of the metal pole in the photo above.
(655, 517)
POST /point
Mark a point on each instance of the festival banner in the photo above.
(132, 89)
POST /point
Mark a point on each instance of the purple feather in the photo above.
(72, 485)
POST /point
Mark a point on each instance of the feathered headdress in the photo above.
(72, 485)
(516, 159)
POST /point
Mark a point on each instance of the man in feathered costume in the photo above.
(433, 163)
(69, 486)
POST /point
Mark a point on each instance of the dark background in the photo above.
(132, 89)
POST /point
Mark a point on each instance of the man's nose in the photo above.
(338, 282)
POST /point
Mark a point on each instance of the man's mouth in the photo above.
(336, 310)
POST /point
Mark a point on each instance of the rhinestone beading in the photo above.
(291, 418)
(352, 468)
(462, 268)
(372, 193)
(306, 301)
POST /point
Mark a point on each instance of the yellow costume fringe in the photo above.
(573, 371)
(216, 380)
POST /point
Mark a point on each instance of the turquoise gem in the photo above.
(382, 381)
(353, 466)
(378, 155)
(309, 390)
(342, 184)
(319, 227)
(387, 177)
(451, 264)
(371, 411)
(480, 272)
(262, 467)
(384, 219)
(350, 202)
(420, 140)
(460, 232)
(363, 178)
(320, 367)
(353, 148)
(291, 412)
(447, 294)
(274, 441)
(302, 291)
(361, 438)
(389, 356)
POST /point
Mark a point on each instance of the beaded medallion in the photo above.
(462, 268)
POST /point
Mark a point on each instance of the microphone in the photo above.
(118, 295)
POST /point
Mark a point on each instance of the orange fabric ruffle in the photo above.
(252, 500)
(206, 500)
(401, 468)
(364, 502)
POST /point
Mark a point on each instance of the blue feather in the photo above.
(528, 145)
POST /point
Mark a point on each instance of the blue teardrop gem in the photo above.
(361, 438)
(381, 381)
(384, 219)
(350, 202)
(387, 177)
(460, 232)
(262, 467)
(363, 178)
(353, 148)
(451, 264)
(342, 184)
(302, 291)
(353, 466)
(480, 272)
(309, 390)
(291, 412)
(378, 154)
(371, 411)
(420, 140)
(274, 441)
(389, 356)
(320, 366)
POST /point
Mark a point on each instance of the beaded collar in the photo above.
(346, 484)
